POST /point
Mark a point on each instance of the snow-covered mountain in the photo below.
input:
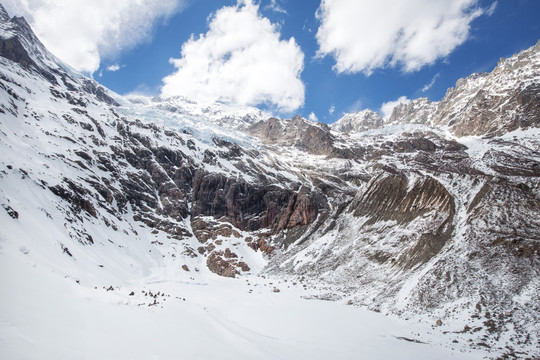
(491, 104)
(358, 122)
(432, 217)
(223, 115)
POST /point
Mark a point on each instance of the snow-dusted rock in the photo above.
(358, 122)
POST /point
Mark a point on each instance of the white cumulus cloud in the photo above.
(369, 34)
(313, 117)
(81, 32)
(388, 107)
(241, 60)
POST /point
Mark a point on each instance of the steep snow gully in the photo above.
(140, 228)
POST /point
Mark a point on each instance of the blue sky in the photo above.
(343, 56)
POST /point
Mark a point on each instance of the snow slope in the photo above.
(52, 307)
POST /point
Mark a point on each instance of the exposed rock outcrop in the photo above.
(252, 207)
(225, 263)
(391, 198)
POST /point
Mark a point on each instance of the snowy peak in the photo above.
(226, 116)
(490, 104)
(19, 44)
(358, 122)
(523, 63)
(417, 111)
(302, 134)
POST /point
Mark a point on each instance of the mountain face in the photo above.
(432, 215)
(486, 104)
(358, 122)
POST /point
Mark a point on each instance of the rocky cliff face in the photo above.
(404, 219)
(418, 111)
(297, 132)
(250, 206)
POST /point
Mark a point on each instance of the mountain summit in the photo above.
(432, 216)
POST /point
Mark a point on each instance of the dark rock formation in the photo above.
(11, 212)
(252, 207)
(13, 50)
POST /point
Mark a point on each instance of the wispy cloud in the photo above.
(491, 10)
(332, 110)
(82, 32)
(355, 106)
(431, 83)
(114, 67)
(144, 90)
(313, 117)
(366, 35)
(240, 60)
(275, 6)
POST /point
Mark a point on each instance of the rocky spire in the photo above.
(4, 16)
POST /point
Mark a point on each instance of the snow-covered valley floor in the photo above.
(46, 312)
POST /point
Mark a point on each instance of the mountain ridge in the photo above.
(503, 90)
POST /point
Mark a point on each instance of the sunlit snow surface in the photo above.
(51, 308)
